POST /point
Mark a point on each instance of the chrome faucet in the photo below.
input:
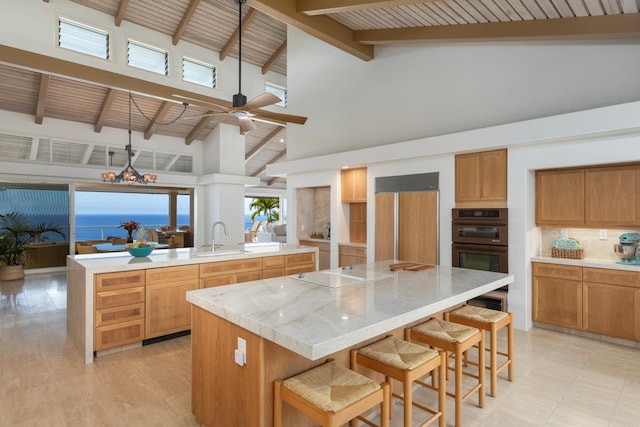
(213, 233)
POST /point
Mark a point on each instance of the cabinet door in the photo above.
(358, 223)
(384, 237)
(118, 334)
(467, 177)
(418, 227)
(353, 185)
(560, 196)
(481, 178)
(557, 302)
(230, 279)
(613, 196)
(611, 310)
(493, 169)
(167, 309)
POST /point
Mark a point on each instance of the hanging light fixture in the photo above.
(129, 175)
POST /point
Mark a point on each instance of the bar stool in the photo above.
(455, 339)
(331, 395)
(490, 321)
(407, 362)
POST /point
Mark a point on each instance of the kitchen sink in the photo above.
(222, 252)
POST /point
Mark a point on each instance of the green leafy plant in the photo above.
(16, 233)
(265, 205)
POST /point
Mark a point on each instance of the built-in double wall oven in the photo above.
(480, 242)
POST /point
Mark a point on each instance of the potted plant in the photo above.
(15, 234)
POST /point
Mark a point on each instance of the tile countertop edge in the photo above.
(587, 262)
(345, 340)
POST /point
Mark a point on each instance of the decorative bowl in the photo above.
(143, 251)
(625, 252)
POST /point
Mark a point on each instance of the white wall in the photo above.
(418, 91)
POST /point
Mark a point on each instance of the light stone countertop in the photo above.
(108, 262)
(587, 262)
(315, 320)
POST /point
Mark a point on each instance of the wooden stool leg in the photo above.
(510, 346)
(458, 386)
(408, 401)
(385, 412)
(277, 404)
(481, 370)
(493, 370)
(442, 391)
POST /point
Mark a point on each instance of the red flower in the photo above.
(129, 225)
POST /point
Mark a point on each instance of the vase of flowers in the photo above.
(130, 226)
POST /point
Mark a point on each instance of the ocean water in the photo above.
(101, 226)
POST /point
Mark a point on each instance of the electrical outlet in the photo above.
(239, 357)
(603, 235)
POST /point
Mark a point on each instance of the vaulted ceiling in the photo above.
(52, 88)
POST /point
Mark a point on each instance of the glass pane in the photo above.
(278, 91)
(147, 58)
(198, 73)
(82, 38)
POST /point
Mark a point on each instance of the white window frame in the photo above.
(72, 22)
(150, 48)
(213, 68)
(275, 88)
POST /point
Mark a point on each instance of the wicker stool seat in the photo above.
(407, 362)
(331, 395)
(455, 339)
(490, 321)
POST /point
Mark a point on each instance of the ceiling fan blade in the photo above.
(197, 116)
(246, 125)
(278, 117)
(261, 101)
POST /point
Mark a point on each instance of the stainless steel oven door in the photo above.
(481, 257)
(484, 234)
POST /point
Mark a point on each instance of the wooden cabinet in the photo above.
(557, 295)
(324, 252)
(599, 197)
(481, 179)
(354, 185)
(612, 196)
(596, 300)
(167, 309)
(272, 266)
(230, 272)
(611, 303)
(119, 309)
(351, 255)
(560, 197)
(358, 223)
(299, 263)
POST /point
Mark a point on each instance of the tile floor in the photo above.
(561, 380)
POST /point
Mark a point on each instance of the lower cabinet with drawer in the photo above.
(299, 263)
(230, 272)
(351, 255)
(272, 266)
(119, 309)
(595, 300)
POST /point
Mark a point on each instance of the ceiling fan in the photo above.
(244, 111)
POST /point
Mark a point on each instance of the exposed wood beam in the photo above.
(122, 9)
(160, 114)
(197, 128)
(246, 20)
(185, 21)
(606, 26)
(321, 27)
(171, 162)
(104, 110)
(323, 7)
(273, 180)
(274, 160)
(71, 70)
(260, 145)
(42, 97)
(267, 65)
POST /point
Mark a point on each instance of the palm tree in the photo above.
(265, 205)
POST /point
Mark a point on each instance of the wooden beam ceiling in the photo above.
(157, 119)
(104, 110)
(277, 157)
(42, 97)
(184, 21)
(202, 123)
(267, 65)
(122, 9)
(323, 7)
(260, 145)
(565, 28)
(246, 20)
(321, 27)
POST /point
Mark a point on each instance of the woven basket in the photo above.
(567, 253)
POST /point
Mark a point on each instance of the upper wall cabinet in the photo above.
(560, 197)
(599, 197)
(481, 179)
(354, 185)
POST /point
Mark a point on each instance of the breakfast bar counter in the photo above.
(246, 335)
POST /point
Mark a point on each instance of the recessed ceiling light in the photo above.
(281, 139)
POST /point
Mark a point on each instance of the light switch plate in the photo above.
(242, 345)
(603, 235)
(239, 357)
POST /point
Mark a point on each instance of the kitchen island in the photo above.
(285, 325)
(116, 301)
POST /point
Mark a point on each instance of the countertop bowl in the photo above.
(144, 251)
(625, 252)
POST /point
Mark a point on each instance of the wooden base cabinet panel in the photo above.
(557, 302)
(299, 263)
(118, 334)
(351, 255)
(167, 309)
(612, 310)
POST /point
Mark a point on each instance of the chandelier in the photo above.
(129, 175)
